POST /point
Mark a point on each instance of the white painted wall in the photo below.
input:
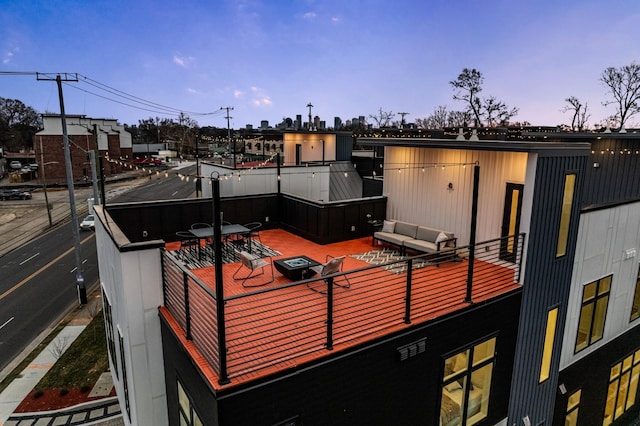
(132, 281)
(421, 195)
(311, 182)
(81, 125)
(603, 238)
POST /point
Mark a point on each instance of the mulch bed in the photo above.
(55, 399)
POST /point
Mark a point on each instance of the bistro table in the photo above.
(227, 230)
(296, 268)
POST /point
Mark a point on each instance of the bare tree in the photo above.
(624, 86)
(468, 85)
(458, 119)
(382, 118)
(496, 112)
(579, 113)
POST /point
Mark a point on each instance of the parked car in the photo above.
(14, 194)
(88, 223)
(33, 166)
(15, 164)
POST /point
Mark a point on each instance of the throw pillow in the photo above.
(388, 226)
(441, 237)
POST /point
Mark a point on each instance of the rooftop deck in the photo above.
(284, 324)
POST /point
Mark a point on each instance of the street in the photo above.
(38, 266)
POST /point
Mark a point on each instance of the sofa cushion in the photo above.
(427, 234)
(393, 238)
(404, 228)
(421, 245)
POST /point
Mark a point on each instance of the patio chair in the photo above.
(253, 263)
(203, 225)
(332, 266)
(253, 230)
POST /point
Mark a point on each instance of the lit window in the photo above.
(623, 387)
(466, 384)
(188, 415)
(573, 405)
(595, 299)
(550, 334)
(635, 307)
(565, 216)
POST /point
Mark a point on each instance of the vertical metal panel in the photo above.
(546, 285)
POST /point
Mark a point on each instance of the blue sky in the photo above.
(269, 58)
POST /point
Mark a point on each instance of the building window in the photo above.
(623, 387)
(595, 299)
(635, 307)
(188, 415)
(466, 384)
(108, 325)
(565, 216)
(573, 405)
(125, 384)
(549, 337)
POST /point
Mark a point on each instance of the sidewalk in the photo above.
(105, 411)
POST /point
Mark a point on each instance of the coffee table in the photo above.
(296, 268)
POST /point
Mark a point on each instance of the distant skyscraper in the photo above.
(337, 123)
(264, 124)
(298, 121)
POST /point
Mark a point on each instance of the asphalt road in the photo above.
(38, 287)
(38, 279)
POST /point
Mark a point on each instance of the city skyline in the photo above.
(269, 60)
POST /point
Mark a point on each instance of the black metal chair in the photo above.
(253, 263)
(188, 242)
(332, 266)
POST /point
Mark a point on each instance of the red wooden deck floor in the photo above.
(275, 331)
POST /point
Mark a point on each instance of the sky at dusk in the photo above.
(269, 58)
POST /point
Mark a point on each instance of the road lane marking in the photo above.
(26, 260)
(39, 271)
(6, 322)
(174, 193)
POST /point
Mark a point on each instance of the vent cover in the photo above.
(412, 349)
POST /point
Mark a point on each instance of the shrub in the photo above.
(64, 391)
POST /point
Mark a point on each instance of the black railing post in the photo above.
(329, 282)
(520, 248)
(472, 233)
(187, 310)
(407, 299)
(217, 256)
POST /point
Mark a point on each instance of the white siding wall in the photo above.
(132, 282)
(603, 238)
(310, 182)
(423, 197)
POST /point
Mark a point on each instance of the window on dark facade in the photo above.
(593, 313)
(549, 337)
(466, 384)
(623, 387)
(573, 406)
(188, 415)
(635, 307)
(565, 216)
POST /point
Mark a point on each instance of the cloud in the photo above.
(184, 62)
(259, 97)
(238, 94)
(335, 20)
(309, 15)
(7, 57)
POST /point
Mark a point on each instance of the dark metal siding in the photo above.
(343, 187)
(365, 386)
(617, 179)
(344, 146)
(546, 285)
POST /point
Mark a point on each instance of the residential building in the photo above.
(541, 287)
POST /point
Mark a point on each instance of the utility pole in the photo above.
(402, 114)
(310, 106)
(80, 285)
(229, 135)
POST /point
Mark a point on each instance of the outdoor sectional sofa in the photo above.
(415, 237)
